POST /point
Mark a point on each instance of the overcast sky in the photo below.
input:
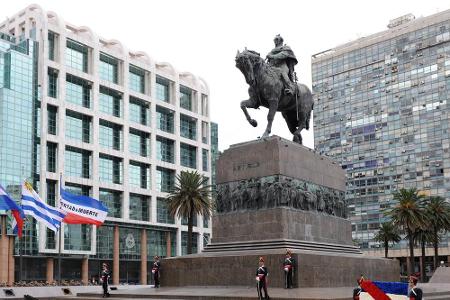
(202, 37)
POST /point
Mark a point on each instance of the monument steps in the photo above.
(281, 244)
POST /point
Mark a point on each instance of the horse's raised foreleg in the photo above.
(249, 104)
(273, 106)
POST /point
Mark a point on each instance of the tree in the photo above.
(423, 236)
(386, 234)
(189, 197)
(409, 215)
(438, 211)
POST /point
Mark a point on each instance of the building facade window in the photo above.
(186, 98)
(78, 127)
(52, 150)
(110, 169)
(139, 142)
(127, 252)
(157, 243)
(206, 239)
(139, 207)
(139, 174)
(113, 200)
(139, 111)
(52, 83)
(205, 106)
(50, 241)
(77, 162)
(184, 221)
(188, 127)
(205, 222)
(52, 116)
(136, 77)
(105, 242)
(165, 179)
(205, 160)
(76, 56)
(184, 239)
(77, 237)
(110, 102)
(108, 68)
(162, 89)
(52, 37)
(163, 215)
(205, 132)
(165, 119)
(110, 135)
(51, 192)
(78, 91)
(165, 149)
(188, 156)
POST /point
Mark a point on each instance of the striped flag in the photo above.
(81, 209)
(7, 203)
(33, 205)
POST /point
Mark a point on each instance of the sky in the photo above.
(203, 36)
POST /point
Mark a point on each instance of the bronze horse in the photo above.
(266, 89)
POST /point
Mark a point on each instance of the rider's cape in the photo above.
(283, 53)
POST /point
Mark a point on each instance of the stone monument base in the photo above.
(281, 227)
(238, 268)
(273, 195)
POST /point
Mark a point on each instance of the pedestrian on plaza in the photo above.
(261, 279)
(104, 278)
(288, 267)
(155, 270)
(415, 293)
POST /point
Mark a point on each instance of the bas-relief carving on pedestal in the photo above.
(279, 191)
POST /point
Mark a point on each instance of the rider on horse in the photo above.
(283, 59)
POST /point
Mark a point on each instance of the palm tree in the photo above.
(438, 211)
(423, 236)
(387, 233)
(189, 197)
(409, 215)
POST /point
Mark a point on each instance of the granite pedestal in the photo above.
(274, 195)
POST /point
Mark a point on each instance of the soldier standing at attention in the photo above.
(261, 279)
(288, 266)
(415, 293)
(155, 270)
(104, 277)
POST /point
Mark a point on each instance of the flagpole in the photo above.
(21, 240)
(60, 235)
(59, 256)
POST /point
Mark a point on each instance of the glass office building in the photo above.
(382, 110)
(118, 125)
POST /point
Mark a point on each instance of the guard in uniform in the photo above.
(104, 277)
(261, 279)
(415, 293)
(288, 267)
(155, 270)
(358, 290)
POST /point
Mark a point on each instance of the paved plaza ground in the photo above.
(432, 292)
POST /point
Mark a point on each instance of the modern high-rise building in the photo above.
(382, 109)
(117, 125)
(214, 150)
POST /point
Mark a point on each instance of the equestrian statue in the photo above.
(273, 84)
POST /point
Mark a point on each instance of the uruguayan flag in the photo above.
(33, 205)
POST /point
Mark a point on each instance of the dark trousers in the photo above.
(156, 279)
(105, 287)
(288, 279)
(262, 285)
